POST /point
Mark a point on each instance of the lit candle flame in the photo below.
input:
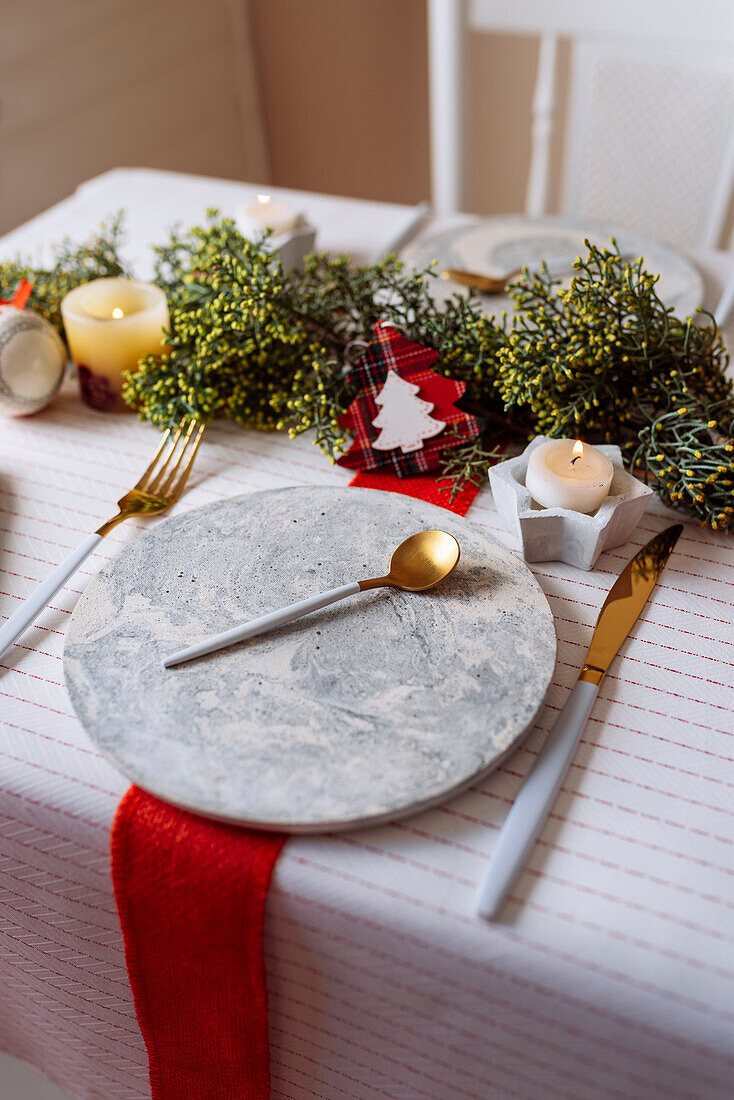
(117, 312)
(577, 451)
(263, 199)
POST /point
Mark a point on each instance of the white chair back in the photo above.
(649, 116)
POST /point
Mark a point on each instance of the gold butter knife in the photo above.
(495, 284)
(484, 284)
(618, 615)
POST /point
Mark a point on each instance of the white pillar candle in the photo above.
(566, 473)
(267, 213)
(110, 324)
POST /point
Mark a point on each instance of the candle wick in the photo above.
(575, 459)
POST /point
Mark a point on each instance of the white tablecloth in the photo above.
(611, 972)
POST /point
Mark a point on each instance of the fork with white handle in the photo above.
(160, 486)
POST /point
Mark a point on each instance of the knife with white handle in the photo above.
(618, 615)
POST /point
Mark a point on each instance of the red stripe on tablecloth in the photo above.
(585, 825)
(50, 737)
(654, 763)
(612, 865)
(55, 809)
(554, 995)
(571, 918)
(62, 775)
(584, 887)
(438, 872)
(499, 1023)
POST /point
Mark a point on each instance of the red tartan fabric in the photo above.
(191, 898)
(390, 350)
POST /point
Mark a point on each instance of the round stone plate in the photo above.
(368, 710)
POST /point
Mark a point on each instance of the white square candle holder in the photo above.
(559, 534)
(290, 245)
(293, 246)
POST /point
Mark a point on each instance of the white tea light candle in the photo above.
(110, 324)
(267, 213)
(566, 473)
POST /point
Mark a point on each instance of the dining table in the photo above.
(610, 972)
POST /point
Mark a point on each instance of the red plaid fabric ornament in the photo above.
(391, 351)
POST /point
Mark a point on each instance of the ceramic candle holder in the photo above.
(293, 246)
(559, 534)
(290, 243)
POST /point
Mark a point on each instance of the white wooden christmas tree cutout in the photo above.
(403, 418)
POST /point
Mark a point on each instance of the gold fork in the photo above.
(160, 486)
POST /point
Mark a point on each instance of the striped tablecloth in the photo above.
(611, 973)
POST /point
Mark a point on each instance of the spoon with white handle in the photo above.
(419, 563)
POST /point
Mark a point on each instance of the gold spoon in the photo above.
(419, 563)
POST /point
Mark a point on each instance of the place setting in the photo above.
(342, 660)
(203, 662)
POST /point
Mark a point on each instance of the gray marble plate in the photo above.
(366, 711)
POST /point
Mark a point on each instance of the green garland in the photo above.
(72, 265)
(603, 359)
(268, 350)
(607, 361)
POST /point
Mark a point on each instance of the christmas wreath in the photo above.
(603, 359)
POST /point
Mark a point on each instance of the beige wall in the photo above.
(344, 87)
(345, 91)
(87, 85)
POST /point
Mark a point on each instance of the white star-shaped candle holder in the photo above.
(559, 534)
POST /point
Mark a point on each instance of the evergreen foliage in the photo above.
(603, 359)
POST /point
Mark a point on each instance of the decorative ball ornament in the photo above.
(32, 358)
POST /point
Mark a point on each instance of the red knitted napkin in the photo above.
(191, 899)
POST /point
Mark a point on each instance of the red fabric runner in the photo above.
(191, 899)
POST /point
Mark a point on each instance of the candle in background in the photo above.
(267, 213)
(563, 473)
(110, 324)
